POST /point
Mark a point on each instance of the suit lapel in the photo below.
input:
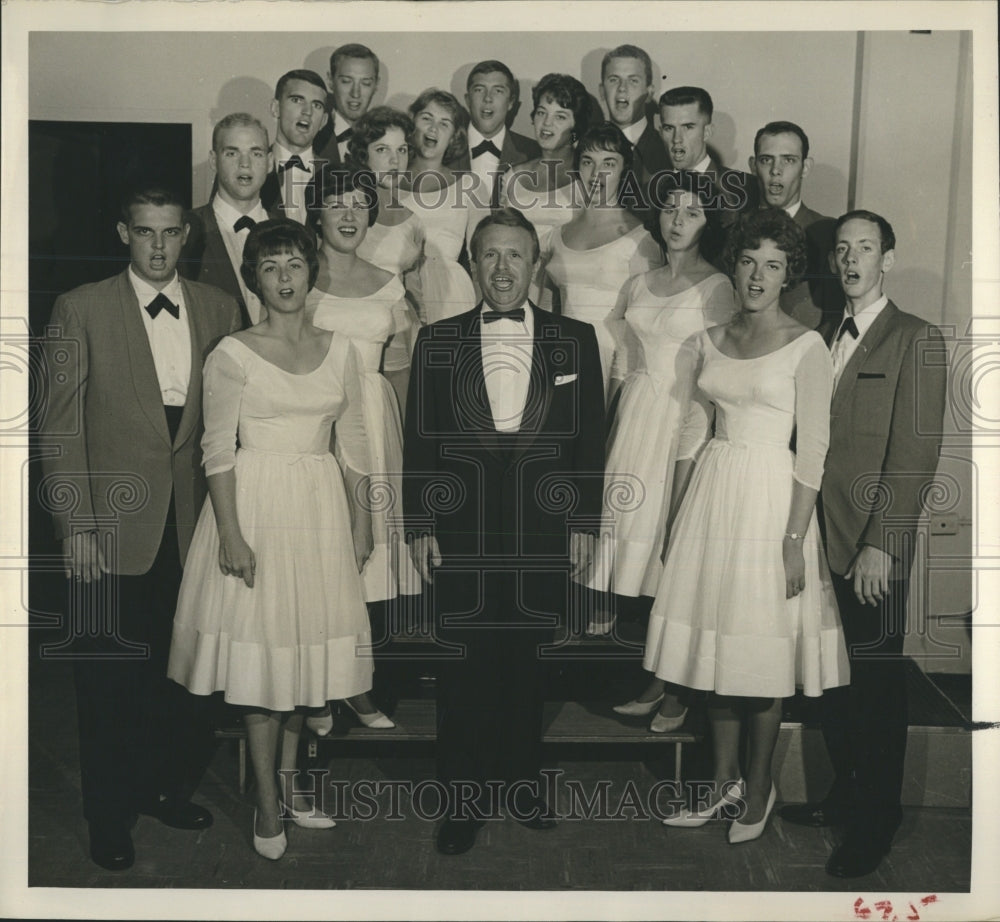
(539, 396)
(869, 342)
(140, 358)
(198, 333)
(473, 412)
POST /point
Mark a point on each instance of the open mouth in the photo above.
(678, 153)
(347, 230)
(286, 292)
(303, 125)
(755, 291)
(501, 282)
(776, 188)
(851, 277)
(244, 179)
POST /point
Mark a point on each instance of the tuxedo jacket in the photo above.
(272, 191)
(885, 434)
(206, 259)
(111, 464)
(516, 149)
(502, 505)
(325, 144)
(818, 294)
(651, 155)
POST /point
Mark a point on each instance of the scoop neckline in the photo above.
(293, 374)
(601, 246)
(322, 293)
(676, 294)
(754, 358)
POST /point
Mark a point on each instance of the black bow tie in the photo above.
(162, 303)
(485, 146)
(848, 326)
(244, 222)
(494, 316)
(344, 135)
(295, 161)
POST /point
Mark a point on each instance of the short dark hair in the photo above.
(352, 50)
(773, 128)
(689, 95)
(278, 235)
(307, 76)
(886, 233)
(605, 136)
(336, 180)
(700, 185)
(629, 51)
(372, 126)
(493, 67)
(160, 196)
(447, 101)
(236, 120)
(567, 92)
(505, 217)
(775, 225)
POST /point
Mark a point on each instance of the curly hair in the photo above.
(459, 140)
(606, 136)
(700, 185)
(775, 225)
(274, 237)
(371, 127)
(568, 92)
(336, 180)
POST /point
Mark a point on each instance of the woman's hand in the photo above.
(361, 531)
(237, 559)
(795, 566)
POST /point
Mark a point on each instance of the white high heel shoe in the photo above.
(307, 819)
(661, 724)
(747, 832)
(322, 723)
(731, 794)
(638, 708)
(376, 721)
(272, 847)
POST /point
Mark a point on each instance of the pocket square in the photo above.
(564, 379)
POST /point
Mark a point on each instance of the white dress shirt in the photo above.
(506, 351)
(341, 124)
(793, 210)
(843, 348)
(227, 216)
(486, 164)
(169, 338)
(295, 208)
(705, 165)
(634, 132)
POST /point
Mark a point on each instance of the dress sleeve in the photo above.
(404, 332)
(223, 381)
(720, 302)
(350, 435)
(813, 389)
(628, 355)
(700, 411)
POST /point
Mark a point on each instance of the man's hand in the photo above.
(870, 572)
(425, 554)
(83, 558)
(581, 552)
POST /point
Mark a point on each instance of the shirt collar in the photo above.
(340, 123)
(865, 318)
(634, 131)
(145, 293)
(793, 210)
(705, 165)
(227, 215)
(528, 324)
(476, 136)
(282, 153)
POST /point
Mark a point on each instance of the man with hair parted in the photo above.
(354, 74)
(889, 381)
(504, 416)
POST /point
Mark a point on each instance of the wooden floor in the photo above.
(625, 852)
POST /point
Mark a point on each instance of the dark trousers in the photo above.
(865, 723)
(490, 706)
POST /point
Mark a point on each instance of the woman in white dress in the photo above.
(396, 240)
(432, 193)
(662, 309)
(271, 609)
(543, 190)
(594, 255)
(745, 608)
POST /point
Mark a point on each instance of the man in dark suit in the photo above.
(780, 162)
(294, 184)
(686, 127)
(890, 374)
(505, 416)
(123, 425)
(213, 253)
(627, 90)
(491, 96)
(353, 81)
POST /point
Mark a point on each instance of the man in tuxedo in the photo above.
(627, 89)
(890, 374)
(686, 127)
(123, 430)
(503, 458)
(780, 162)
(213, 253)
(294, 183)
(353, 81)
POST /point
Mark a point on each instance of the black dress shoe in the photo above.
(457, 836)
(111, 847)
(820, 813)
(179, 814)
(858, 856)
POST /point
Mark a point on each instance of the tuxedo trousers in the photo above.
(865, 723)
(141, 734)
